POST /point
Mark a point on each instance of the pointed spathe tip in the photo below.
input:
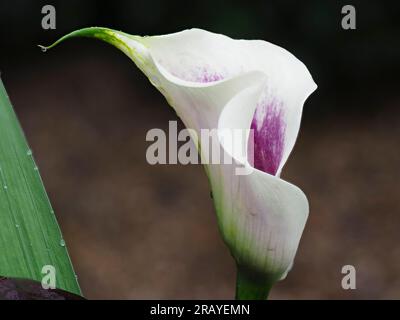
(90, 32)
(43, 48)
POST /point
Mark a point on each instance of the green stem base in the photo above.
(250, 286)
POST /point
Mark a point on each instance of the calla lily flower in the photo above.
(215, 82)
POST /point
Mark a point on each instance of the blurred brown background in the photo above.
(140, 231)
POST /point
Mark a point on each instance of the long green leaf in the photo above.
(30, 237)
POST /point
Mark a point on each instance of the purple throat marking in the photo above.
(269, 133)
(206, 76)
(202, 75)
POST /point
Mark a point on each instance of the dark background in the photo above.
(140, 231)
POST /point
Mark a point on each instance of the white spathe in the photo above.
(213, 81)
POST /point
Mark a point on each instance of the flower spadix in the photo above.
(215, 82)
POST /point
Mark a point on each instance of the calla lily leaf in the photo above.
(215, 82)
(31, 242)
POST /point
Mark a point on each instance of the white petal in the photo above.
(261, 216)
(198, 56)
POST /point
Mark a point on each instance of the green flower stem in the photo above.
(250, 286)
